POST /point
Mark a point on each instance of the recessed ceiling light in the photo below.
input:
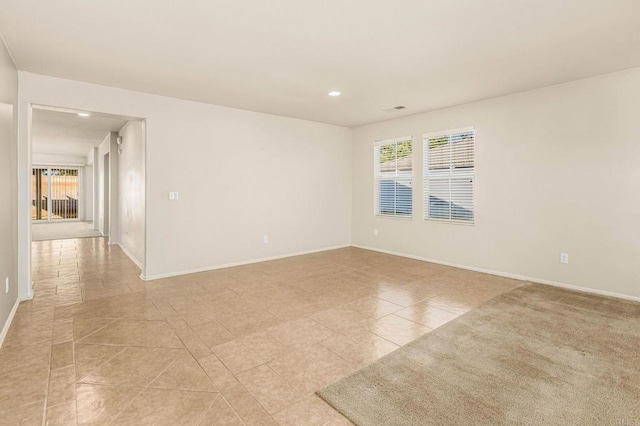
(334, 93)
(84, 114)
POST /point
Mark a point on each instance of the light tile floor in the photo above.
(246, 345)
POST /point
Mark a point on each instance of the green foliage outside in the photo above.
(439, 141)
(444, 140)
(388, 152)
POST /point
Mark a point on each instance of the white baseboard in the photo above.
(245, 262)
(131, 256)
(7, 324)
(506, 274)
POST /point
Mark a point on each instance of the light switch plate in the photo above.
(173, 196)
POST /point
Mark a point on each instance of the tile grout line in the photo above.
(46, 398)
(204, 414)
(119, 352)
(101, 328)
(144, 389)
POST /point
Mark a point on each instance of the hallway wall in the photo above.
(8, 184)
(131, 191)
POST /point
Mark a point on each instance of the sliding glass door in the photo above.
(54, 194)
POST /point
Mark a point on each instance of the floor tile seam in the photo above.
(135, 346)
(95, 331)
(235, 375)
(296, 390)
(285, 380)
(212, 320)
(75, 372)
(79, 380)
(395, 343)
(233, 408)
(388, 301)
(306, 396)
(257, 402)
(458, 313)
(217, 392)
(148, 386)
(204, 413)
(184, 345)
(125, 406)
(46, 395)
(209, 377)
(364, 315)
(420, 324)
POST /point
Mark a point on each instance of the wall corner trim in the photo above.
(506, 274)
(7, 324)
(130, 255)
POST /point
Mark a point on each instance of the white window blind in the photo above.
(448, 175)
(393, 174)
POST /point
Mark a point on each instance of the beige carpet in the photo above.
(537, 355)
(62, 231)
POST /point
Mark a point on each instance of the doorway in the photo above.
(55, 194)
(75, 164)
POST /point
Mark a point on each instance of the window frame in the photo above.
(404, 176)
(425, 176)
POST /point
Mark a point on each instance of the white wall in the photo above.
(556, 171)
(102, 149)
(57, 159)
(131, 190)
(92, 160)
(8, 195)
(240, 175)
(88, 193)
(108, 223)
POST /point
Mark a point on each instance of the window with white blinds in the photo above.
(448, 175)
(393, 174)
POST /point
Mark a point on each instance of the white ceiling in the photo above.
(282, 57)
(65, 133)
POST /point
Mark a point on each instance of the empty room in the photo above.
(320, 213)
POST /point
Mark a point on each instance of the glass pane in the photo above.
(39, 191)
(388, 156)
(404, 151)
(393, 174)
(395, 197)
(64, 194)
(462, 150)
(439, 199)
(462, 199)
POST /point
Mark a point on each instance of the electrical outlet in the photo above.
(265, 239)
(564, 258)
(173, 196)
(375, 232)
(6, 285)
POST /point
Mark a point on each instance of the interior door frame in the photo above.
(24, 119)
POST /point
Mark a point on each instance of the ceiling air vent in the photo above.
(395, 108)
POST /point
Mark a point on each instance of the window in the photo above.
(448, 175)
(393, 177)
